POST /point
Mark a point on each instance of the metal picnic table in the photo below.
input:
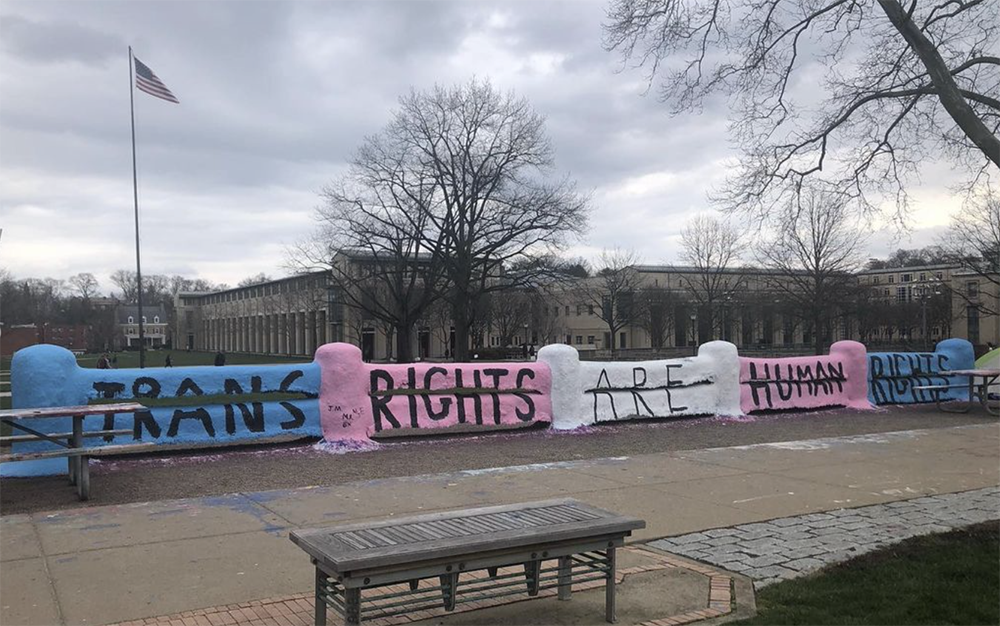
(71, 443)
(986, 377)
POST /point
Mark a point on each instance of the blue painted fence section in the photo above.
(47, 375)
(893, 376)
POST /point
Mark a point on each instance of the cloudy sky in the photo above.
(274, 97)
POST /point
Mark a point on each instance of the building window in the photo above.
(972, 318)
(579, 310)
(590, 339)
(579, 340)
(938, 275)
(621, 340)
(901, 294)
(905, 278)
(567, 309)
(156, 319)
(892, 279)
(923, 276)
(875, 280)
(569, 339)
(590, 309)
(555, 311)
(131, 320)
(972, 289)
(143, 319)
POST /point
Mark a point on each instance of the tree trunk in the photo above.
(460, 318)
(944, 83)
(817, 322)
(404, 344)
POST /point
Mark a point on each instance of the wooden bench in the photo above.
(70, 445)
(452, 549)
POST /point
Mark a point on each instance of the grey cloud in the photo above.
(57, 41)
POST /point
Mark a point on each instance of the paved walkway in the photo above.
(787, 547)
(124, 562)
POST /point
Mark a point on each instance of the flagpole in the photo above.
(135, 197)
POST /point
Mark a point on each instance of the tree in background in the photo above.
(929, 255)
(712, 247)
(612, 291)
(85, 285)
(256, 279)
(481, 165)
(814, 254)
(896, 86)
(973, 243)
(655, 313)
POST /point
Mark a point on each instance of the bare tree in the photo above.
(373, 238)
(510, 314)
(973, 242)
(613, 290)
(896, 86)
(655, 313)
(712, 248)
(493, 207)
(813, 255)
(256, 279)
(85, 284)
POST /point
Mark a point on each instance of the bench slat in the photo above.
(465, 532)
(98, 451)
(86, 434)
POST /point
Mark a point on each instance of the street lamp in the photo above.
(925, 295)
(694, 339)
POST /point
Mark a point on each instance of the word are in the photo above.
(656, 399)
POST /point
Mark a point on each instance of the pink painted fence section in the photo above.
(837, 379)
(358, 400)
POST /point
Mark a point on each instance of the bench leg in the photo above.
(319, 611)
(83, 480)
(565, 577)
(71, 462)
(77, 461)
(610, 614)
(532, 573)
(352, 607)
(449, 589)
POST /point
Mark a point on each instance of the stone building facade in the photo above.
(294, 315)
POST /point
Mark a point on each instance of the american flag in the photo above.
(147, 81)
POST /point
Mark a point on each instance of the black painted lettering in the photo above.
(529, 413)
(380, 403)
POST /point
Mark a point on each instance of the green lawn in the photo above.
(950, 578)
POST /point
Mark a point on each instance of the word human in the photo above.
(425, 395)
(253, 416)
(825, 378)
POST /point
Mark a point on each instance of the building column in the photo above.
(283, 333)
(321, 328)
(310, 331)
(300, 338)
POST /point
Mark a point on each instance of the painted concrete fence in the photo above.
(346, 400)
(894, 376)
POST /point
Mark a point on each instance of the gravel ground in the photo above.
(282, 466)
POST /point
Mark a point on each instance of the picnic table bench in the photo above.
(976, 389)
(454, 548)
(70, 444)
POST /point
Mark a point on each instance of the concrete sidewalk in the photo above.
(115, 563)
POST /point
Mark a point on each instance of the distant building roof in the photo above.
(130, 310)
